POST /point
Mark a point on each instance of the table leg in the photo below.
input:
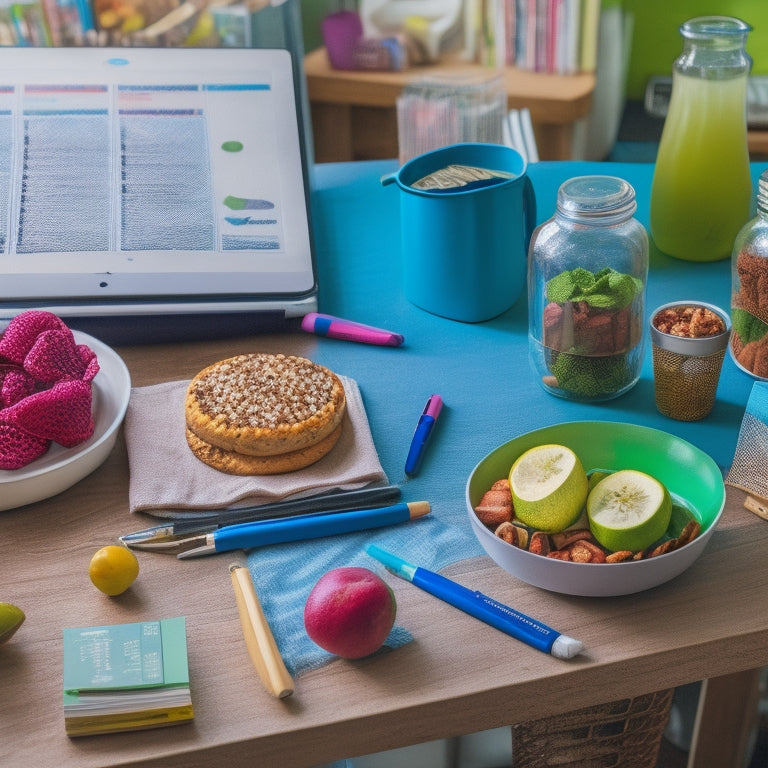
(726, 716)
(374, 132)
(554, 141)
(332, 132)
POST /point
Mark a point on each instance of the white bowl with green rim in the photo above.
(691, 476)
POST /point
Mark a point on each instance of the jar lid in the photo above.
(714, 28)
(600, 200)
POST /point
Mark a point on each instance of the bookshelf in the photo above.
(354, 113)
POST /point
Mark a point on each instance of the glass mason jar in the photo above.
(749, 295)
(587, 273)
(701, 189)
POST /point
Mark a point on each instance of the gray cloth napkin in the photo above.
(166, 478)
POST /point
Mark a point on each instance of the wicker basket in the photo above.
(620, 734)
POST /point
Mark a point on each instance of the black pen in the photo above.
(421, 435)
(162, 537)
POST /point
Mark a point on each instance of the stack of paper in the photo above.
(126, 677)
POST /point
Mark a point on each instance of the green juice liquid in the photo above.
(702, 189)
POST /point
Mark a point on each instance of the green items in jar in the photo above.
(589, 329)
(608, 289)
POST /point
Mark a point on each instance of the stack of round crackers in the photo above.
(263, 414)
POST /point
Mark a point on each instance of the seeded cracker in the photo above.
(263, 413)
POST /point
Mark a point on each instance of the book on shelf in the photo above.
(69, 21)
(590, 28)
(551, 36)
(152, 23)
(125, 677)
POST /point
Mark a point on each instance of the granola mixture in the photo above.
(690, 322)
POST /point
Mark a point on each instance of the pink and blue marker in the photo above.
(337, 328)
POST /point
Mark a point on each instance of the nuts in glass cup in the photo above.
(689, 340)
(689, 321)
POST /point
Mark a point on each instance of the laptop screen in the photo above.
(151, 175)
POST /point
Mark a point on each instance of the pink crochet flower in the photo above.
(15, 383)
(45, 388)
(22, 332)
(55, 356)
(61, 413)
(17, 447)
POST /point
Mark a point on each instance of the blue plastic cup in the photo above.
(465, 250)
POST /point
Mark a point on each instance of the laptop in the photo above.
(150, 193)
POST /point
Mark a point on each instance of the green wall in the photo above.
(312, 13)
(656, 42)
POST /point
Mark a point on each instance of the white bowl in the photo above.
(691, 476)
(60, 468)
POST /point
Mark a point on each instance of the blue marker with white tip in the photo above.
(482, 607)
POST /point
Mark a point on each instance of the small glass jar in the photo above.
(749, 290)
(587, 274)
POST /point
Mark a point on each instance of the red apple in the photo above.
(350, 612)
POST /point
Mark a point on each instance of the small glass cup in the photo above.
(688, 357)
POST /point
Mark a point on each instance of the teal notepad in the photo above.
(126, 676)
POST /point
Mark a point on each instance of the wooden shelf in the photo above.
(758, 143)
(354, 113)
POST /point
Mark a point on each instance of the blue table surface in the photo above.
(482, 370)
(490, 392)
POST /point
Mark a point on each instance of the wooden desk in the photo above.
(431, 688)
(354, 115)
(458, 675)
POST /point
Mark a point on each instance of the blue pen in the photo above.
(302, 527)
(421, 435)
(482, 607)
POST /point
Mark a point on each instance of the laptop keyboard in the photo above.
(659, 90)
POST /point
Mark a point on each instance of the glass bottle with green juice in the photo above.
(701, 192)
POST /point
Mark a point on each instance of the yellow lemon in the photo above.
(549, 487)
(11, 618)
(628, 510)
(113, 569)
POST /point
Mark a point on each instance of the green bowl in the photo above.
(691, 476)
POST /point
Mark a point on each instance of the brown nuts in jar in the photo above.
(689, 321)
